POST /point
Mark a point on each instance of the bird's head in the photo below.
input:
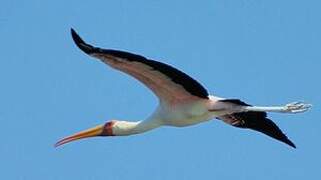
(100, 130)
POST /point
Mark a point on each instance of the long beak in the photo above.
(92, 132)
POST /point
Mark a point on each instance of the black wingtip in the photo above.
(258, 121)
(88, 49)
(290, 143)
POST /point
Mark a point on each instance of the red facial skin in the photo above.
(108, 129)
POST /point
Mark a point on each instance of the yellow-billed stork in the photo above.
(182, 100)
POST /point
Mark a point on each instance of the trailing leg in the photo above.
(295, 107)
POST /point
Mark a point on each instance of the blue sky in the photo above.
(263, 52)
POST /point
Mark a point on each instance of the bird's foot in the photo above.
(296, 107)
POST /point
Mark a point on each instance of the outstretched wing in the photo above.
(257, 121)
(168, 83)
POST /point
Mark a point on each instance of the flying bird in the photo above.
(182, 100)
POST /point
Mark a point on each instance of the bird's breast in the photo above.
(185, 115)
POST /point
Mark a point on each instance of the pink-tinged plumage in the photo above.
(160, 84)
(182, 100)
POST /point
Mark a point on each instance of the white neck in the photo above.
(124, 128)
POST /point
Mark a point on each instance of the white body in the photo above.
(194, 112)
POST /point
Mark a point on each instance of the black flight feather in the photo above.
(177, 76)
(254, 120)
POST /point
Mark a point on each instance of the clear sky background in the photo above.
(263, 52)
